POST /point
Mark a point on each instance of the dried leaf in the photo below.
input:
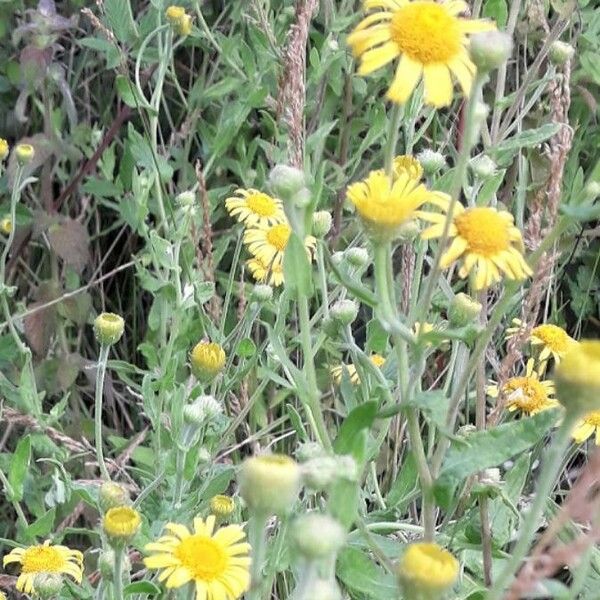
(70, 240)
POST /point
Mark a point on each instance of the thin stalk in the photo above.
(392, 141)
(179, 469)
(546, 482)
(100, 374)
(118, 574)
(258, 542)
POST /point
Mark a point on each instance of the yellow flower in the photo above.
(4, 149)
(577, 377)
(484, 237)
(208, 360)
(121, 522)
(588, 425)
(554, 340)
(384, 203)
(6, 226)
(24, 153)
(426, 570)
(267, 242)
(252, 208)
(216, 562)
(429, 38)
(174, 14)
(527, 393)
(222, 506)
(336, 372)
(408, 164)
(3, 596)
(271, 274)
(44, 558)
(109, 328)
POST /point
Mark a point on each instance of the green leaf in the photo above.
(353, 429)
(405, 485)
(43, 526)
(119, 19)
(433, 404)
(246, 348)
(130, 94)
(19, 466)
(296, 267)
(504, 151)
(362, 576)
(497, 10)
(490, 448)
(142, 587)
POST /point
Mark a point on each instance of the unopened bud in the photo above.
(186, 199)
(317, 536)
(463, 310)
(591, 190)
(4, 149)
(201, 411)
(207, 360)
(286, 181)
(561, 52)
(356, 257)
(322, 221)
(24, 153)
(344, 311)
(121, 524)
(109, 328)
(320, 472)
(408, 231)
(111, 495)
(483, 167)
(47, 586)
(308, 450)
(222, 506)
(491, 49)
(431, 161)
(6, 226)
(261, 292)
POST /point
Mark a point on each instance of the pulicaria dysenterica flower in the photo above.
(216, 562)
(552, 340)
(46, 559)
(485, 238)
(590, 424)
(428, 37)
(252, 208)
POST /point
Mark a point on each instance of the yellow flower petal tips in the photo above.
(430, 40)
(215, 562)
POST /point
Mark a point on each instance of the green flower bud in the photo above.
(308, 450)
(483, 167)
(121, 524)
(320, 472)
(491, 49)
(261, 292)
(269, 484)
(591, 190)
(317, 536)
(561, 52)
(112, 495)
(356, 257)
(344, 311)
(222, 506)
(203, 410)
(108, 328)
(47, 585)
(24, 153)
(186, 199)
(463, 310)
(431, 161)
(286, 181)
(322, 221)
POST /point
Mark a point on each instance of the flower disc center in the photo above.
(484, 229)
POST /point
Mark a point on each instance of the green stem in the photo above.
(392, 141)
(118, 574)
(258, 542)
(550, 470)
(179, 469)
(100, 374)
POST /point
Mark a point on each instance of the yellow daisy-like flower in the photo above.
(527, 393)
(337, 372)
(252, 208)
(121, 522)
(271, 274)
(427, 569)
(4, 149)
(44, 558)
(405, 163)
(554, 340)
(429, 38)
(207, 360)
(216, 562)
(268, 242)
(384, 203)
(484, 237)
(587, 426)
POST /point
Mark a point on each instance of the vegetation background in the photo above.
(120, 128)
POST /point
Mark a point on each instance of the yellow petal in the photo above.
(361, 41)
(179, 577)
(438, 85)
(378, 57)
(464, 70)
(406, 79)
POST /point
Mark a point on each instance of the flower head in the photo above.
(252, 208)
(577, 377)
(208, 360)
(4, 149)
(109, 328)
(336, 372)
(216, 562)
(427, 569)
(428, 37)
(266, 273)
(24, 153)
(553, 340)
(267, 243)
(384, 204)
(179, 19)
(587, 426)
(222, 506)
(121, 523)
(526, 393)
(405, 163)
(6, 226)
(44, 558)
(485, 238)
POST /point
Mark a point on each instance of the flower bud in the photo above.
(463, 310)
(591, 190)
(204, 456)
(174, 14)
(344, 311)
(121, 524)
(308, 450)
(324, 589)
(106, 565)
(186, 199)
(483, 167)
(184, 27)
(577, 377)
(269, 484)
(6, 226)
(261, 292)
(347, 469)
(322, 221)
(25, 153)
(356, 257)
(207, 360)
(108, 328)
(47, 585)
(317, 536)
(431, 161)
(491, 49)
(4, 149)
(320, 472)
(561, 52)
(203, 410)
(222, 506)
(426, 571)
(408, 231)
(112, 495)
(490, 476)
(286, 181)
